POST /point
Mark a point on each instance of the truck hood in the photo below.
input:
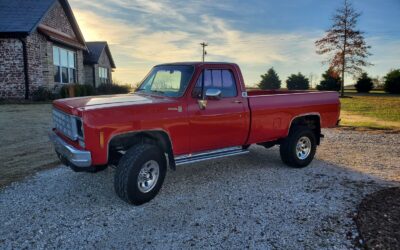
(79, 104)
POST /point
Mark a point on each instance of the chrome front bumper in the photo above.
(76, 157)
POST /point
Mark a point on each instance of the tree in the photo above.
(364, 83)
(330, 81)
(392, 82)
(344, 44)
(297, 82)
(270, 80)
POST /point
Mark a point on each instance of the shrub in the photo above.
(76, 90)
(392, 82)
(270, 80)
(42, 94)
(364, 84)
(297, 82)
(112, 88)
(330, 81)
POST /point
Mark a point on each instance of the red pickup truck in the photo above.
(184, 113)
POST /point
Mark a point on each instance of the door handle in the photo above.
(237, 101)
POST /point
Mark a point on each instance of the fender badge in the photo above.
(179, 109)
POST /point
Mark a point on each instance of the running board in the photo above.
(209, 155)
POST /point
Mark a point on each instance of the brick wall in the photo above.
(89, 74)
(105, 63)
(40, 58)
(79, 67)
(38, 61)
(12, 77)
(57, 19)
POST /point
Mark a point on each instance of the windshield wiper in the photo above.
(157, 91)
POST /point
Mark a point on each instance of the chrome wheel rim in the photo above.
(303, 148)
(148, 176)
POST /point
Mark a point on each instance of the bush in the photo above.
(42, 94)
(364, 84)
(330, 81)
(297, 82)
(76, 90)
(112, 88)
(392, 82)
(270, 80)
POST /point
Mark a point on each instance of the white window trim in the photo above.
(68, 64)
(105, 79)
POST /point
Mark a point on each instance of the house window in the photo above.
(103, 75)
(64, 65)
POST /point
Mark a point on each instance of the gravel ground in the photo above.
(250, 201)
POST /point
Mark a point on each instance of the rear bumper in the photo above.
(69, 154)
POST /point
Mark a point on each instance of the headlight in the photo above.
(79, 128)
(80, 132)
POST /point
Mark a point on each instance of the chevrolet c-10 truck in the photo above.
(184, 113)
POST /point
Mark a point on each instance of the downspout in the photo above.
(26, 71)
(94, 76)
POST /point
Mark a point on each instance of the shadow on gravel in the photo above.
(246, 201)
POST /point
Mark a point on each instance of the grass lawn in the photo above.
(371, 110)
(25, 147)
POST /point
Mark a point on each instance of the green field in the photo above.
(375, 110)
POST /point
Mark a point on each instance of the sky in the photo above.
(256, 34)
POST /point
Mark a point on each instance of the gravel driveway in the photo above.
(251, 201)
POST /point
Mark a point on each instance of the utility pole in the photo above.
(204, 45)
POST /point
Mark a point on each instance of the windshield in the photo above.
(168, 80)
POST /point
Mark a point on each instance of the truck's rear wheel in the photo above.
(298, 149)
(140, 174)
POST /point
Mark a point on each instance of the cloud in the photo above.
(143, 33)
(139, 47)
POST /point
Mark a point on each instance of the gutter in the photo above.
(26, 71)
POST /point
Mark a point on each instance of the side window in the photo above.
(218, 79)
(228, 84)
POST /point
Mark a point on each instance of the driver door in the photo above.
(223, 122)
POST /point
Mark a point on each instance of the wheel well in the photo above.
(311, 121)
(125, 141)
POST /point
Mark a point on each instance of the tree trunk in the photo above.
(342, 84)
(344, 48)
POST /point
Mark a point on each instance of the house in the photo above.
(98, 63)
(41, 45)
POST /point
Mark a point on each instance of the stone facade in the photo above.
(57, 19)
(12, 77)
(40, 58)
(105, 63)
(89, 74)
(36, 50)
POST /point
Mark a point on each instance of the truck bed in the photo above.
(272, 111)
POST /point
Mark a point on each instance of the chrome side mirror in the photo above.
(213, 94)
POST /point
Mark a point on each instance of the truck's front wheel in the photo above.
(298, 149)
(140, 174)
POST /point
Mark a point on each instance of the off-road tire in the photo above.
(288, 147)
(128, 169)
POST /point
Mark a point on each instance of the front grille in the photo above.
(66, 124)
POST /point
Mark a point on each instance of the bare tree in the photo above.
(344, 44)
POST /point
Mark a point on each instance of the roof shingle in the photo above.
(22, 16)
(95, 50)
